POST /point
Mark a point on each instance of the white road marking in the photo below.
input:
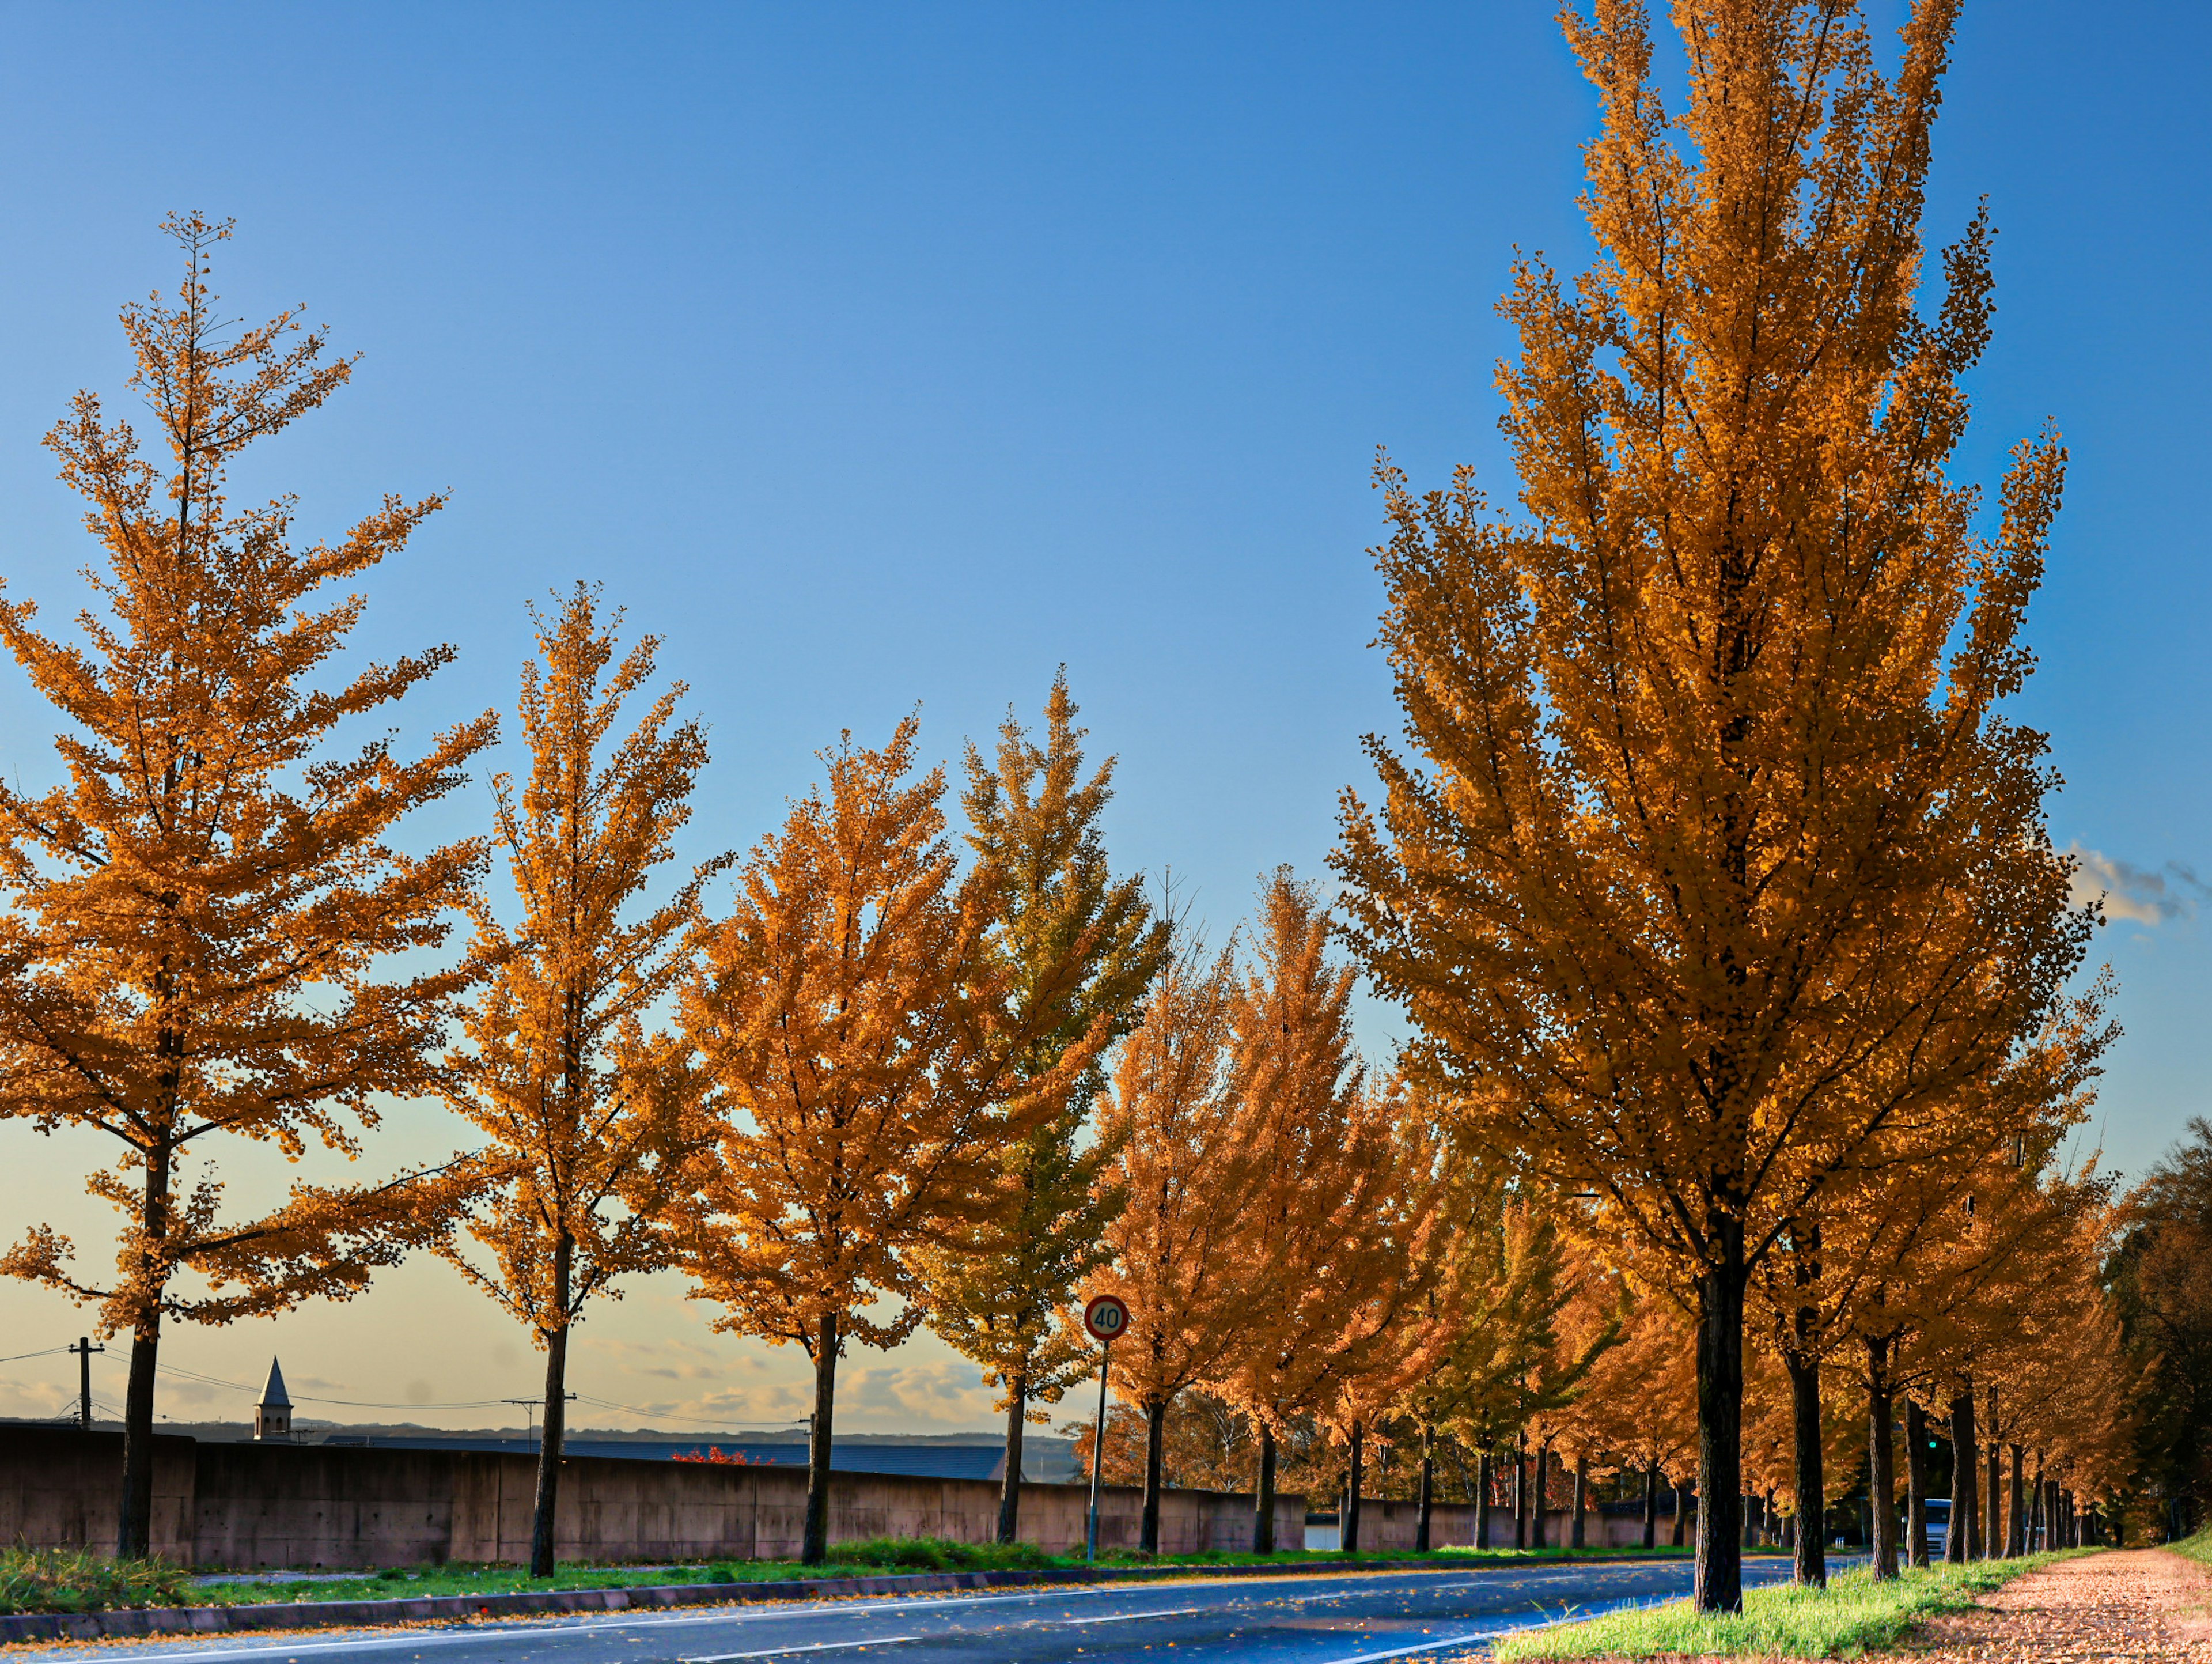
(1475, 1639)
(1115, 1618)
(819, 1647)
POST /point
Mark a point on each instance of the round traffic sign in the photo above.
(1105, 1317)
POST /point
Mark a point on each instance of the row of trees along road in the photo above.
(876, 1067)
(1714, 881)
(1710, 875)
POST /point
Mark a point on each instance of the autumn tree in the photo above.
(1208, 1444)
(1595, 1428)
(2159, 1275)
(587, 1111)
(1171, 1115)
(875, 1065)
(1334, 1245)
(1507, 1281)
(1079, 947)
(203, 910)
(1487, 1313)
(1637, 1407)
(1716, 871)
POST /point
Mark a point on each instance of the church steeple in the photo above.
(273, 1417)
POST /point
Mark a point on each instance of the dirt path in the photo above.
(2140, 1604)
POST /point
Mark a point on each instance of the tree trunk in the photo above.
(2016, 1520)
(1960, 1537)
(1010, 1489)
(814, 1547)
(1916, 1483)
(544, 1513)
(1993, 1493)
(1482, 1499)
(1720, 1424)
(1428, 1493)
(1581, 1494)
(1156, 1440)
(1993, 1532)
(1881, 1460)
(1521, 1491)
(1809, 1557)
(135, 1540)
(1263, 1495)
(1651, 1505)
(1675, 1541)
(1348, 1539)
(135, 1524)
(1536, 1495)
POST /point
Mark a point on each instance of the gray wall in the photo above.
(249, 1505)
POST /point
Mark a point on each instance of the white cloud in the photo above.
(949, 1394)
(2134, 893)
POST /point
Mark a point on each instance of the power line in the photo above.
(49, 1352)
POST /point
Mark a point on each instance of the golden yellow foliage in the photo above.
(1078, 945)
(201, 911)
(868, 1050)
(1171, 1117)
(1719, 879)
(590, 1118)
(1336, 1241)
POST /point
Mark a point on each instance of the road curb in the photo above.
(128, 1622)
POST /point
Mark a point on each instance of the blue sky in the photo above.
(887, 354)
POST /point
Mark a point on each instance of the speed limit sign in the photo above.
(1105, 1317)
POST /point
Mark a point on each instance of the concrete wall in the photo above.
(64, 1489)
(248, 1505)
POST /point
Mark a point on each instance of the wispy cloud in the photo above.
(947, 1394)
(2135, 892)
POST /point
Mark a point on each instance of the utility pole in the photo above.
(529, 1407)
(84, 1349)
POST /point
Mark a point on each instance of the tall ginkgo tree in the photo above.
(589, 1113)
(1334, 1245)
(1717, 874)
(1171, 1115)
(869, 1049)
(1078, 945)
(202, 910)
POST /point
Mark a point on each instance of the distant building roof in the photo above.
(273, 1395)
(931, 1462)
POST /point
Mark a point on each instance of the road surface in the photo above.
(1336, 1618)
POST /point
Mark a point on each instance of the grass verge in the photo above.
(2197, 1548)
(75, 1580)
(1852, 1616)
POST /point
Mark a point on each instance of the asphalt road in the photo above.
(1338, 1618)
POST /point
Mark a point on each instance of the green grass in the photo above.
(875, 1557)
(1852, 1616)
(75, 1580)
(2197, 1548)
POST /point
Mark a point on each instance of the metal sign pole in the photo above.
(1097, 1449)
